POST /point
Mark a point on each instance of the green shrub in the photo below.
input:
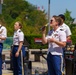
(32, 44)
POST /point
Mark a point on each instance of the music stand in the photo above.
(39, 41)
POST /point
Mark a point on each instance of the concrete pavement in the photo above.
(41, 65)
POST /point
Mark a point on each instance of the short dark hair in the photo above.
(62, 16)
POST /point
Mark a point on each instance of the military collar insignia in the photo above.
(55, 35)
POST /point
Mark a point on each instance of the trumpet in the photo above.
(42, 28)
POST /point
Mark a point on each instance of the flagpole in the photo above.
(49, 15)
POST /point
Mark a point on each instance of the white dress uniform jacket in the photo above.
(18, 36)
(65, 28)
(3, 33)
(58, 35)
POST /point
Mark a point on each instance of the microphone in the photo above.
(42, 28)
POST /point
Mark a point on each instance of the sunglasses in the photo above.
(51, 21)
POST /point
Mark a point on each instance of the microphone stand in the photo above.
(42, 53)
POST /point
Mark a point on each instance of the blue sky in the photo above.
(57, 6)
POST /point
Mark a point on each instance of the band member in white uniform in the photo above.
(3, 36)
(65, 27)
(67, 30)
(18, 40)
(56, 39)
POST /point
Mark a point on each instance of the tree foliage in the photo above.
(20, 10)
(69, 21)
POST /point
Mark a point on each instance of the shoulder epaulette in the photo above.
(19, 30)
(0, 26)
(61, 29)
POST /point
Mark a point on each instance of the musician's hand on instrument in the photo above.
(50, 40)
(44, 30)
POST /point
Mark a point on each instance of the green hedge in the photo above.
(32, 44)
(30, 40)
(73, 37)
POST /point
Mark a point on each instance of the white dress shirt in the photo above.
(66, 29)
(58, 35)
(18, 36)
(3, 33)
